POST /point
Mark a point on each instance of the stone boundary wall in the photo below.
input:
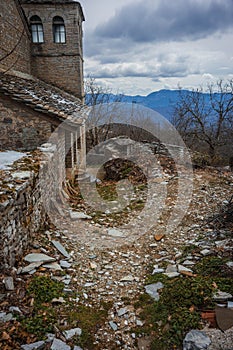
(22, 209)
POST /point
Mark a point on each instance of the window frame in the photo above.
(37, 30)
(59, 30)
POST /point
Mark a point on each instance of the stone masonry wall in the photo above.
(20, 128)
(24, 197)
(14, 38)
(55, 63)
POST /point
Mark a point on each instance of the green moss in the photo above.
(177, 310)
(89, 320)
(224, 284)
(190, 249)
(44, 289)
(210, 266)
(158, 277)
(41, 322)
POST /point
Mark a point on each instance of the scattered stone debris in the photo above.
(152, 290)
(34, 346)
(76, 215)
(61, 249)
(196, 340)
(114, 278)
(9, 283)
(72, 332)
(38, 257)
(59, 345)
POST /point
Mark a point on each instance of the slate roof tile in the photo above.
(42, 97)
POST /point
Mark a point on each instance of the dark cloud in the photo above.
(177, 20)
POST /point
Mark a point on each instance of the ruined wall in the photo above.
(24, 199)
(59, 64)
(20, 127)
(14, 38)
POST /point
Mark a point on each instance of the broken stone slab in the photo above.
(61, 249)
(113, 325)
(59, 345)
(183, 268)
(38, 257)
(15, 309)
(34, 346)
(196, 340)
(72, 332)
(205, 252)
(139, 323)
(189, 263)
(31, 267)
(50, 337)
(65, 264)
(171, 268)
(115, 233)
(53, 266)
(4, 317)
(222, 296)
(171, 274)
(78, 215)
(152, 290)
(157, 270)
(9, 283)
(122, 312)
(128, 278)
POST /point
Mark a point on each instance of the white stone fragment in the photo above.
(34, 346)
(72, 332)
(36, 257)
(53, 266)
(59, 345)
(61, 249)
(78, 215)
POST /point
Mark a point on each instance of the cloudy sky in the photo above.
(140, 46)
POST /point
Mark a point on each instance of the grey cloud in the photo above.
(167, 66)
(177, 20)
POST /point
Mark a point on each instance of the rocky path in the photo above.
(111, 278)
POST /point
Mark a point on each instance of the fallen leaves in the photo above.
(159, 237)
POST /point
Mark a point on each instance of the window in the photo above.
(37, 30)
(59, 31)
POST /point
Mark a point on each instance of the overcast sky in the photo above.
(136, 47)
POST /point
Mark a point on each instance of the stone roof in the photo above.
(42, 97)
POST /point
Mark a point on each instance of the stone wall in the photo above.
(24, 198)
(60, 64)
(20, 127)
(14, 38)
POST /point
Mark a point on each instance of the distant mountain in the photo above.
(162, 101)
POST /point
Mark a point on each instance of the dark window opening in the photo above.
(37, 30)
(59, 31)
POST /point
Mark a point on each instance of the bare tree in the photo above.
(104, 110)
(205, 118)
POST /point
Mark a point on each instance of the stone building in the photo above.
(41, 76)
